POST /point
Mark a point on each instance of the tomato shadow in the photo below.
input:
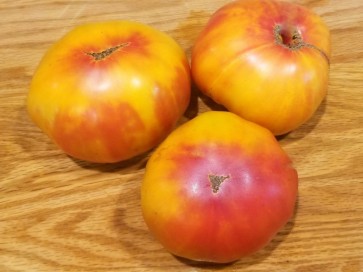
(210, 103)
(253, 259)
(306, 128)
(200, 102)
(128, 166)
(203, 265)
(193, 107)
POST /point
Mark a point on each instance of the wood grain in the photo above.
(60, 214)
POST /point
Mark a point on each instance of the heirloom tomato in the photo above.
(108, 91)
(265, 60)
(218, 188)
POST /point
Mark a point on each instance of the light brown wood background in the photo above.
(60, 214)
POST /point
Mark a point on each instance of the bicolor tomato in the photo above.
(218, 188)
(265, 60)
(108, 91)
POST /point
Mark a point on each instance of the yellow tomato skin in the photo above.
(108, 91)
(242, 60)
(195, 220)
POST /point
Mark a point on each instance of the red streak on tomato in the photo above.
(96, 133)
(182, 82)
(164, 110)
(169, 98)
(136, 43)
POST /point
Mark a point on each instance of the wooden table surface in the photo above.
(60, 214)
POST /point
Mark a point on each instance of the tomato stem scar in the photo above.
(293, 40)
(216, 182)
(105, 53)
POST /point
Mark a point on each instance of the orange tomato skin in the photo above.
(242, 61)
(255, 200)
(117, 106)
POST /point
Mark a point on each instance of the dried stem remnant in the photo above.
(103, 54)
(216, 182)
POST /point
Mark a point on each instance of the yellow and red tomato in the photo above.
(218, 188)
(265, 60)
(108, 91)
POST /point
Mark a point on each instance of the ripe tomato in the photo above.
(218, 188)
(265, 60)
(111, 90)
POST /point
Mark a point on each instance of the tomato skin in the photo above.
(195, 220)
(242, 61)
(117, 106)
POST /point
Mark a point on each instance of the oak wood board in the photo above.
(62, 214)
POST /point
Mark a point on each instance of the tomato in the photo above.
(108, 91)
(265, 60)
(218, 188)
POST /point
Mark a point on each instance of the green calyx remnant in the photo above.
(105, 53)
(216, 182)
